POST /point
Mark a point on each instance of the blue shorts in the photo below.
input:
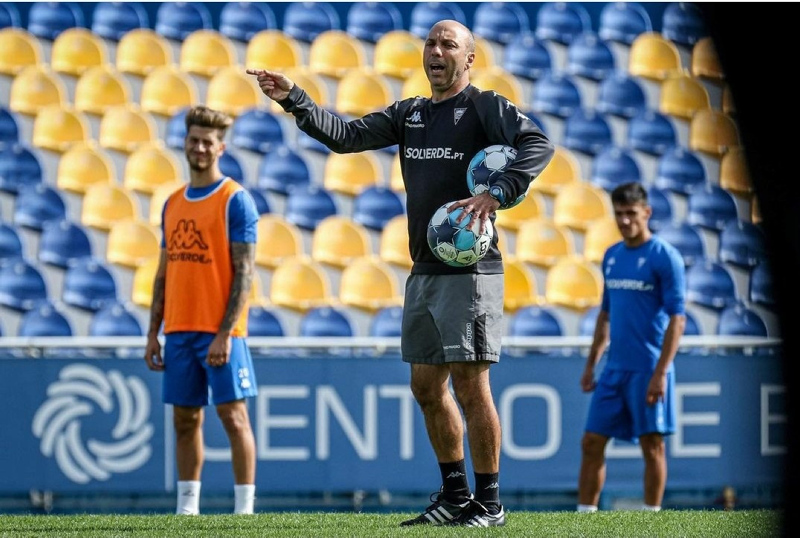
(190, 382)
(619, 407)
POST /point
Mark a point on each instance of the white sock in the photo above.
(188, 497)
(244, 498)
(650, 508)
(587, 508)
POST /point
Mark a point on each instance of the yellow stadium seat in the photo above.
(654, 57)
(204, 52)
(338, 240)
(312, 83)
(159, 198)
(484, 54)
(728, 105)
(574, 283)
(143, 278)
(601, 234)
(273, 49)
(396, 182)
(542, 242)
(501, 81)
(233, 91)
(82, 165)
(755, 210)
(713, 132)
(334, 52)
(152, 164)
(682, 96)
(416, 85)
(104, 204)
(350, 173)
(277, 240)
(562, 170)
(166, 90)
(126, 127)
(57, 128)
(397, 54)
(734, 174)
(141, 50)
(131, 243)
(705, 60)
(531, 207)
(18, 50)
(299, 283)
(77, 49)
(34, 88)
(368, 283)
(393, 248)
(519, 286)
(580, 203)
(362, 91)
(99, 88)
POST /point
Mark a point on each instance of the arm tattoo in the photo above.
(157, 303)
(243, 260)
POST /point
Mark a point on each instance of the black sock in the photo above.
(454, 480)
(487, 489)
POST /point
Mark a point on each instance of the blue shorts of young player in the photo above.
(619, 407)
(189, 381)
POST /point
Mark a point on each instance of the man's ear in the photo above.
(470, 60)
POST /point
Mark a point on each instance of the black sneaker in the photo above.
(441, 512)
(478, 515)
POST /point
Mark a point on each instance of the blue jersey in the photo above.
(642, 288)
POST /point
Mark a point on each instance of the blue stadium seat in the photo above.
(9, 15)
(22, 285)
(112, 20)
(710, 284)
(176, 130)
(176, 20)
(621, 95)
(662, 209)
(743, 244)
(240, 21)
(38, 204)
(500, 21)
(527, 57)
(589, 57)
(326, 321)
(261, 321)
(9, 130)
(262, 204)
(711, 207)
(535, 321)
(680, 170)
(46, 20)
(19, 167)
(115, 319)
(387, 322)
(739, 320)
(623, 21)
(588, 321)
(282, 170)
(89, 285)
(687, 239)
(306, 20)
(556, 94)
(561, 22)
(587, 131)
(651, 132)
(230, 166)
(10, 242)
(375, 206)
(62, 242)
(425, 14)
(683, 23)
(761, 290)
(613, 166)
(258, 130)
(307, 205)
(44, 320)
(692, 325)
(368, 21)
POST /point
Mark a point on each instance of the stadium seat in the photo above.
(587, 132)
(613, 166)
(89, 285)
(10, 243)
(115, 319)
(563, 169)
(387, 322)
(257, 130)
(369, 284)
(99, 88)
(397, 54)
(599, 236)
(374, 206)
(131, 242)
(142, 50)
(687, 239)
(126, 127)
(393, 248)
(621, 95)
(241, 21)
(711, 285)
(713, 132)
(651, 132)
(299, 284)
(9, 15)
(149, 166)
(112, 20)
(21, 285)
(579, 203)
(663, 212)
(36, 204)
(369, 21)
(484, 54)
(556, 94)
(338, 241)
(206, 51)
(273, 49)
(542, 242)
(531, 207)
(44, 320)
(683, 23)
(362, 91)
(527, 57)
(82, 165)
(233, 91)
(334, 52)
(351, 173)
(654, 57)
(264, 321)
(325, 321)
(63, 242)
(304, 21)
(535, 320)
(262, 204)
(588, 321)
(562, 22)
(19, 167)
(742, 244)
(9, 129)
(176, 20)
(588, 56)
(416, 84)
(77, 49)
(680, 171)
(277, 240)
(18, 50)
(682, 96)
(425, 14)
(519, 286)
(711, 207)
(739, 320)
(761, 290)
(692, 327)
(281, 170)
(47, 20)
(159, 198)
(230, 167)
(705, 62)
(500, 22)
(104, 204)
(623, 22)
(142, 286)
(728, 104)
(307, 205)
(501, 81)
(34, 88)
(734, 172)
(58, 127)
(574, 283)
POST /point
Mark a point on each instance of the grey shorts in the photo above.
(452, 318)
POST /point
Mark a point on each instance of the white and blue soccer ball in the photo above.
(459, 245)
(487, 165)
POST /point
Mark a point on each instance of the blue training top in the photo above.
(643, 287)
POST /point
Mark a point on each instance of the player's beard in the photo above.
(198, 166)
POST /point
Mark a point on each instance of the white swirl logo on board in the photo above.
(79, 393)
